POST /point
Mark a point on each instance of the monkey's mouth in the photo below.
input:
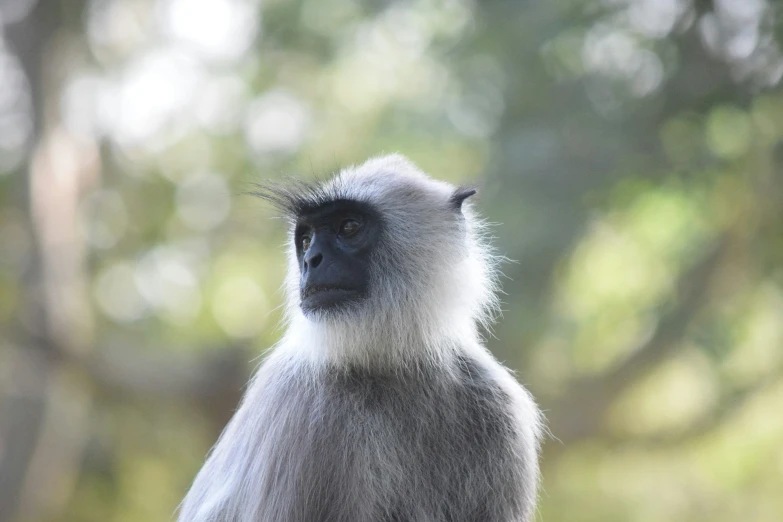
(321, 297)
(311, 290)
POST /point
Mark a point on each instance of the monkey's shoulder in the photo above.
(464, 394)
(463, 404)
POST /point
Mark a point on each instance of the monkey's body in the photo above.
(422, 443)
(380, 406)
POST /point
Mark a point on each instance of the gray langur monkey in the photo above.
(380, 403)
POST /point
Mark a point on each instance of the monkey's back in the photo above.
(419, 443)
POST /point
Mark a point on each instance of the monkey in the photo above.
(380, 402)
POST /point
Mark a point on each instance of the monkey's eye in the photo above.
(305, 243)
(349, 227)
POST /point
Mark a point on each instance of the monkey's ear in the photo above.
(460, 195)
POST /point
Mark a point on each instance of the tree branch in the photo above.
(579, 412)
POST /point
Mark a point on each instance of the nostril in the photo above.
(315, 260)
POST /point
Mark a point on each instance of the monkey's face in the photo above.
(334, 242)
(381, 251)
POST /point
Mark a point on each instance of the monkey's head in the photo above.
(384, 252)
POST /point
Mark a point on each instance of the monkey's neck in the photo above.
(373, 345)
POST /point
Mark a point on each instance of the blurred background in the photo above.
(630, 152)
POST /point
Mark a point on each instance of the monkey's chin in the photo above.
(329, 301)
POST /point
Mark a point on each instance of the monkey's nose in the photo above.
(313, 260)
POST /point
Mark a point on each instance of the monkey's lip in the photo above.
(325, 297)
(312, 290)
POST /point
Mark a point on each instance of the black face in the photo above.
(333, 245)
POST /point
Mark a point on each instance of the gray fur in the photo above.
(392, 410)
